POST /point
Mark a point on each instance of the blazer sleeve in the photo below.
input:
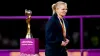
(51, 34)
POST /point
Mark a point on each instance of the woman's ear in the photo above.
(56, 9)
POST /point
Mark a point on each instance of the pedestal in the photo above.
(29, 47)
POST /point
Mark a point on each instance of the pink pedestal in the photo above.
(29, 46)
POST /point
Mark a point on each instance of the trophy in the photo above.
(28, 14)
(30, 45)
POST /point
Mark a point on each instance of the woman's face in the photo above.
(61, 10)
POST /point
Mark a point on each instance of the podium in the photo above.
(29, 47)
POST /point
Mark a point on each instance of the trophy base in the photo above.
(29, 36)
(36, 55)
(29, 55)
(29, 47)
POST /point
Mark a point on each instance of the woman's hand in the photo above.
(67, 41)
(63, 43)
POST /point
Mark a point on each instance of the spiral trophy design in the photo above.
(28, 13)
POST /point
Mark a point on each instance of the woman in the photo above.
(56, 31)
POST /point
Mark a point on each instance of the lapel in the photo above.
(66, 23)
(57, 21)
(59, 27)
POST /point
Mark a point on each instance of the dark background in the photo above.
(12, 30)
(43, 7)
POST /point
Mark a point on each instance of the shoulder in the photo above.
(50, 23)
(51, 20)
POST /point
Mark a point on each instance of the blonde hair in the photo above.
(55, 5)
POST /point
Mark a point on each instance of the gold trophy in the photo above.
(28, 14)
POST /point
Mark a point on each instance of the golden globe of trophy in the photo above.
(28, 13)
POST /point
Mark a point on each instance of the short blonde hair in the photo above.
(55, 5)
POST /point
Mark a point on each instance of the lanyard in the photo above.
(63, 28)
(62, 24)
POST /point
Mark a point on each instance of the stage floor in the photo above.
(42, 53)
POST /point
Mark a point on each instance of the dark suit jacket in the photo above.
(54, 37)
